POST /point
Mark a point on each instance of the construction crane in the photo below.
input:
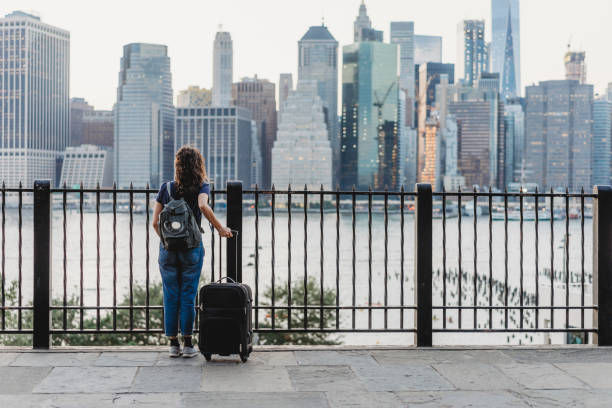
(381, 133)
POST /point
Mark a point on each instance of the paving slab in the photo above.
(167, 400)
(54, 359)
(126, 359)
(454, 399)
(57, 401)
(273, 358)
(427, 357)
(543, 376)
(164, 360)
(351, 358)
(19, 380)
(167, 379)
(358, 399)
(561, 355)
(476, 376)
(324, 378)
(86, 380)
(568, 398)
(402, 378)
(255, 400)
(595, 375)
(7, 358)
(246, 378)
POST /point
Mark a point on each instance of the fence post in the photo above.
(41, 338)
(234, 222)
(422, 265)
(602, 265)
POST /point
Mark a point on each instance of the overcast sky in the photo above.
(265, 34)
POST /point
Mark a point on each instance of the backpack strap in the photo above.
(169, 191)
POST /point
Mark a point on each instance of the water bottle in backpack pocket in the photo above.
(179, 229)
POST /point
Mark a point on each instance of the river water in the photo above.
(327, 240)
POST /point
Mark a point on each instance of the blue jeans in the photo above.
(180, 272)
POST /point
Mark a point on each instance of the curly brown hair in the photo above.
(189, 170)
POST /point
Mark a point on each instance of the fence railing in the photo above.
(319, 261)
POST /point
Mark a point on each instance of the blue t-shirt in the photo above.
(192, 201)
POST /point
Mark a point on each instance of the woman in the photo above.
(180, 269)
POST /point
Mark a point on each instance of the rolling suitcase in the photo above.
(226, 311)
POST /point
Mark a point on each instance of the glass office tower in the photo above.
(369, 134)
(144, 117)
(34, 99)
(602, 109)
(506, 46)
(472, 51)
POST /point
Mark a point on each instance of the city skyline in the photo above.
(541, 51)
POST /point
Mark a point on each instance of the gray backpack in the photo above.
(179, 229)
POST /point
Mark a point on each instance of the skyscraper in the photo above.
(472, 57)
(144, 117)
(362, 22)
(285, 85)
(318, 61)
(259, 97)
(602, 132)
(369, 136)
(194, 96)
(479, 115)
(90, 126)
(514, 120)
(427, 48)
(575, 66)
(558, 133)
(87, 165)
(224, 136)
(302, 153)
(34, 99)
(428, 76)
(506, 46)
(402, 34)
(223, 69)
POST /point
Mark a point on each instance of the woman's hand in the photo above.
(225, 232)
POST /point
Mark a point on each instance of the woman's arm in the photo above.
(156, 210)
(210, 216)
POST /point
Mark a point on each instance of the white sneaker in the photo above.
(189, 351)
(175, 351)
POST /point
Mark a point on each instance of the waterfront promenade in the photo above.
(309, 377)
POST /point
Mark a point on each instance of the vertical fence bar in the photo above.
(337, 257)
(422, 257)
(566, 261)
(257, 257)
(354, 264)
(552, 260)
(582, 257)
(273, 259)
(602, 264)
(386, 254)
(147, 256)
(475, 283)
(505, 258)
(444, 257)
(20, 256)
(490, 258)
(65, 262)
(321, 259)
(537, 253)
(289, 256)
(114, 255)
(3, 256)
(521, 257)
(98, 256)
(41, 338)
(234, 222)
(131, 210)
(370, 257)
(459, 259)
(402, 204)
(305, 257)
(81, 276)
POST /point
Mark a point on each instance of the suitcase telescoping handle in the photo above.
(235, 236)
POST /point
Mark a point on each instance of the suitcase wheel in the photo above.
(208, 356)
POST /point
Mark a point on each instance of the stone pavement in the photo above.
(321, 377)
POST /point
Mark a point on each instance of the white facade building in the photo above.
(302, 153)
(34, 98)
(87, 164)
(223, 69)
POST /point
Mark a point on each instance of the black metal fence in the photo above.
(321, 261)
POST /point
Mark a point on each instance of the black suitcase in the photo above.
(226, 324)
